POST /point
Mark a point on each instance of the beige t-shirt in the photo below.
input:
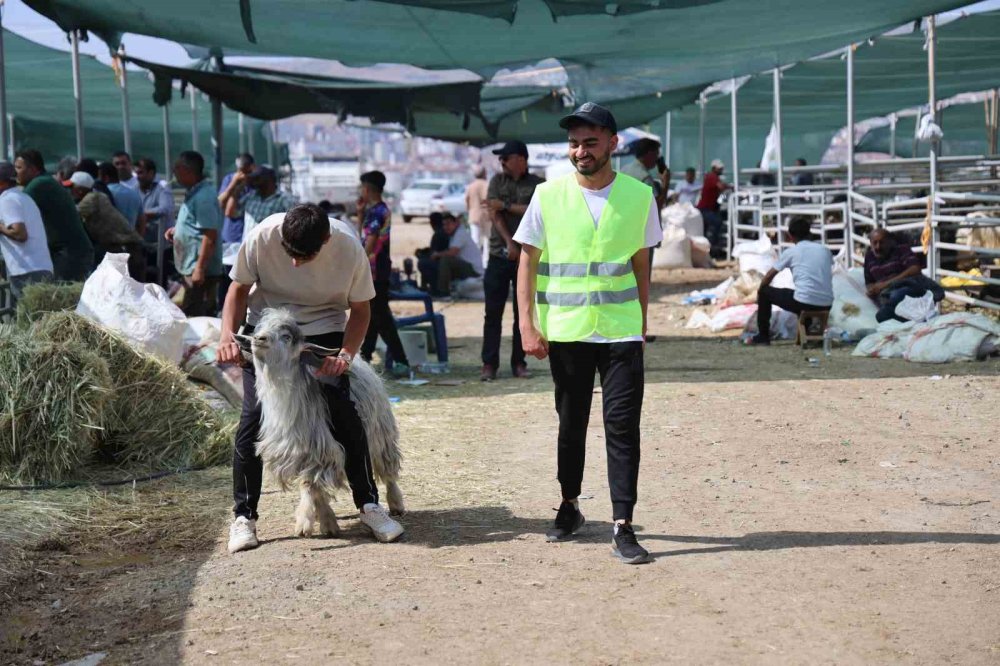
(318, 293)
(476, 196)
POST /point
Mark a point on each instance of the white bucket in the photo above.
(415, 346)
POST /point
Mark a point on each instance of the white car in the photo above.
(424, 197)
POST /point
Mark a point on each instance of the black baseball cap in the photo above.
(512, 148)
(262, 171)
(591, 114)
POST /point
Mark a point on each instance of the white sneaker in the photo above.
(376, 520)
(242, 534)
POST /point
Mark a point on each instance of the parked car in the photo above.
(452, 201)
(418, 199)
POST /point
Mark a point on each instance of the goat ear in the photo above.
(244, 341)
(322, 352)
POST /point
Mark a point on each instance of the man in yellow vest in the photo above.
(583, 287)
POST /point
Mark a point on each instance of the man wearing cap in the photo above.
(70, 247)
(106, 226)
(507, 198)
(265, 199)
(22, 235)
(711, 188)
(584, 277)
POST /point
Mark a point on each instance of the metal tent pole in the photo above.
(161, 242)
(251, 148)
(194, 118)
(734, 197)
(666, 139)
(126, 119)
(701, 134)
(217, 140)
(241, 133)
(848, 222)
(270, 145)
(5, 136)
(12, 147)
(74, 39)
(892, 134)
(167, 155)
(781, 159)
(932, 252)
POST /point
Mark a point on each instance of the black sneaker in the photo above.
(569, 520)
(625, 547)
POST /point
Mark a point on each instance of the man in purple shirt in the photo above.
(892, 272)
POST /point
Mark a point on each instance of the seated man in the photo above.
(812, 271)
(462, 259)
(427, 266)
(892, 272)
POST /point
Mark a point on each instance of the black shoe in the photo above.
(625, 547)
(569, 520)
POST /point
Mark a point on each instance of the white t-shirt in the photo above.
(317, 293)
(688, 192)
(33, 254)
(132, 183)
(812, 272)
(532, 232)
(468, 250)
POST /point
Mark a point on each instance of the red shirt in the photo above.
(709, 192)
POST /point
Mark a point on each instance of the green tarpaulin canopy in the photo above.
(964, 127)
(627, 56)
(40, 98)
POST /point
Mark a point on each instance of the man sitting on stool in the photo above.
(812, 271)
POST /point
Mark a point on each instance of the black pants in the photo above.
(784, 299)
(382, 323)
(620, 365)
(200, 300)
(248, 469)
(500, 275)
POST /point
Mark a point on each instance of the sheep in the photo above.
(295, 440)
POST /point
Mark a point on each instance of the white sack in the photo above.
(734, 317)
(917, 309)
(675, 251)
(701, 249)
(852, 310)
(758, 255)
(684, 216)
(959, 336)
(142, 313)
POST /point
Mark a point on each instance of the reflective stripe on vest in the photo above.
(586, 283)
(605, 269)
(587, 298)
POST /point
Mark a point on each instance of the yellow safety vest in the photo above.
(586, 284)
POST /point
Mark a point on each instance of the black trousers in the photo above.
(784, 299)
(500, 276)
(248, 469)
(620, 366)
(382, 323)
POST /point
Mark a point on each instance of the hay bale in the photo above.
(42, 297)
(52, 400)
(155, 417)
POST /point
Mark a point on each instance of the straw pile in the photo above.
(42, 297)
(53, 397)
(155, 417)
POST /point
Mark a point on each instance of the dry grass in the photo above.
(53, 397)
(155, 418)
(43, 297)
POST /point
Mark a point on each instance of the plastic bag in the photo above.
(917, 309)
(141, 313)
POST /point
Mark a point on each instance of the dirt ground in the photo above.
(847, 513)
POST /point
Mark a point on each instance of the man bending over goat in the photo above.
(295, 261)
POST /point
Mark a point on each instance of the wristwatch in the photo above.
(345, 356)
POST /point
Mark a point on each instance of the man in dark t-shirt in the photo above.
(376, 227)
(507, 198)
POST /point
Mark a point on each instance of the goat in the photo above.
(295, 441)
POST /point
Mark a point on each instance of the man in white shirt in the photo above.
(688, 190)
(812, 272)
(23, 242)
(461, 260)
(122, 163)
(298, 262)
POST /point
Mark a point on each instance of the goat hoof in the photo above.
(397, 510)
(303, 529)
(329, 529)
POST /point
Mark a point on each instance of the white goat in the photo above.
(295, 440)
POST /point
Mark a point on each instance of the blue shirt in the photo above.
(199, 212)
(127, 201)
(232, 227)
